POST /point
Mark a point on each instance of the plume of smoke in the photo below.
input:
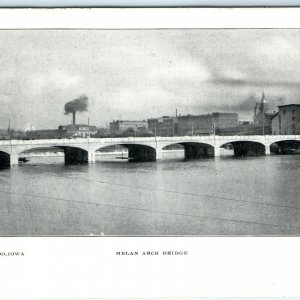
(79, 104)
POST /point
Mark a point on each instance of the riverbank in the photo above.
(111, 153)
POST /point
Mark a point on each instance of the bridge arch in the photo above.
(5, 150)
(72, 154)
(285, 146)
(193, 150)
(4, 158)
(136, 152)
(246, 147)
(276, 139)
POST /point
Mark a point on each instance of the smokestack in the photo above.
(79, 104)
(74, 117)
(176, 112)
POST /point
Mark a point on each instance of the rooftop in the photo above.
(288, 105)
(76, 126)
(115, 121)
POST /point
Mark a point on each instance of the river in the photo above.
(216, 196)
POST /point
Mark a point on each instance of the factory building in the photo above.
(286, 120)
(63, 131)
(164, 126)
(244, 128)
(78, 130)
(224, 120)
(7, 134)
(120, 126)
(44, 134)
(192, 124)
(4, 134)
(195, 125)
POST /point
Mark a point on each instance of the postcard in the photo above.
(149, 153)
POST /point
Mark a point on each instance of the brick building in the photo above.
(192, 124)
(120, 126)
(286, 120)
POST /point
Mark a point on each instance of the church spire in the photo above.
(263, 103)
(263, 97)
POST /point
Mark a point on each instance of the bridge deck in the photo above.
(176, 139)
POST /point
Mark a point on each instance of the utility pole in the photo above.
(8, 129)
(173, 127)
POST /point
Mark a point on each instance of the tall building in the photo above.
(286, 120)
(164, 126)
(224, 120)
(195, 125)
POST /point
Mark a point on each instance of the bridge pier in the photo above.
(192, 151)
(158, 154)
(75, 155)
(140, 153)
(245, 148)
(217, 151)
(14, 159)
(267, 150)
(92, 156)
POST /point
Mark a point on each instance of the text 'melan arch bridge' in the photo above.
(147, 148)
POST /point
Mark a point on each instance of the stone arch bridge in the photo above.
(147, 148)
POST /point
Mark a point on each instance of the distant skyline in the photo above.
(139, 74)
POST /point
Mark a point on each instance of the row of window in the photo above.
(283, 111)
(293, 126)
(279, 119)
(285, 132)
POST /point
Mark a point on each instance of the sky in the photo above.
(139, 74)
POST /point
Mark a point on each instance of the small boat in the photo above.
(23, 159)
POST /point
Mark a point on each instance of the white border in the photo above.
(88, 267)
(117, 18)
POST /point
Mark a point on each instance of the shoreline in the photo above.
(99, 154)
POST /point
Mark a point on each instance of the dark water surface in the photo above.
(218, 196)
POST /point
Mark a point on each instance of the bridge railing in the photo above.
(42, 142)
(268, 138)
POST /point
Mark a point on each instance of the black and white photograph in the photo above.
(149, 153)
(149, 132)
